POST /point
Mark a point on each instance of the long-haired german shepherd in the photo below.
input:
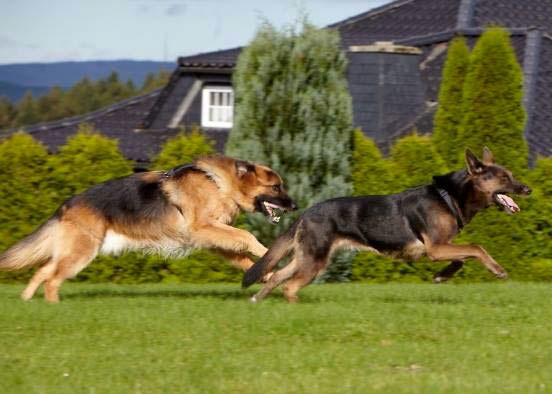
(191, 206)
(417, 222)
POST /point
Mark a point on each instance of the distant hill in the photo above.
(15, 92)
(16, 79)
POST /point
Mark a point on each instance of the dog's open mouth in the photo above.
(273, 211)
(506, 202)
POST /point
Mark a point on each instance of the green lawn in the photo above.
(359, 338)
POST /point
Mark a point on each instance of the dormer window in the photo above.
(217, 106)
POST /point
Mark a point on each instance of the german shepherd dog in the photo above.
(191, 206)
(417, 222)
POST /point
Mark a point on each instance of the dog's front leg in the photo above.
(460, 252)
(238, 260)
(228, 238)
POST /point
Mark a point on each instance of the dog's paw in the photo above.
(439, 279)
(253, 300)
(267, 277)
(501, 275)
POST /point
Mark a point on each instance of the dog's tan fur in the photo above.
(203, 204)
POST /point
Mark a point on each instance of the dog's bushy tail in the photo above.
(281, 247)
(34, 249)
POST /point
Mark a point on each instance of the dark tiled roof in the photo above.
(120, 121)
(399, 19)
(219, 59)
(513, 13)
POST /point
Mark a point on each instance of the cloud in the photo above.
(8, 42)
(175, 9)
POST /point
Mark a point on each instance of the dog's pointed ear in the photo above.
(488, 157)
(473, 164)
(243, 167)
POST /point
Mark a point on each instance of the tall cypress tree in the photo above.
(293, 113)
(493, 110)
(449, 113)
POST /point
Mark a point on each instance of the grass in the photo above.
(347, 338)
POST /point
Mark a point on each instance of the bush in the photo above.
(88, 158)
(182, 149)
(25, 201)
(415, 161)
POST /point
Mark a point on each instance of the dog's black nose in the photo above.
(293, 206)
(527, 190)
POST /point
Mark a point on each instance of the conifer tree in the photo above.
(51, 105)
(27, 111)
(293, 113)
(493, 111)
(8, 112)
(450, 113)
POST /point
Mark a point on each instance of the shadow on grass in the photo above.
(184, 293)
(422, 300)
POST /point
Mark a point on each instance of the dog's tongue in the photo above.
(508, 203)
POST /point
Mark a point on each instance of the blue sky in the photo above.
(60, 30)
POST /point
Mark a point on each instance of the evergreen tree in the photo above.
(81, 98)
(27, 111)
(293, 113)
(155, 81)
(493, 111)
(450, 113)
(51, 105)
(8, 112)
(182, 149)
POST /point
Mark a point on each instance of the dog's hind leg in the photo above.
(276, 279)
(77, 249)
(300, 280)
(42, 274)
(448, 272)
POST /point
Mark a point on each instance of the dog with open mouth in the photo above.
(417, 222)
(166, 212)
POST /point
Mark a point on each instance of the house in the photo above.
(396, 54)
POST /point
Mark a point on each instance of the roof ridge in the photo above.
(371, 12)
(208, 53)
(83, 117)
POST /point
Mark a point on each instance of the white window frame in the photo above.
(220, 113)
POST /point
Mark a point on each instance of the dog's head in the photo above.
(262, 190)
(494, 182)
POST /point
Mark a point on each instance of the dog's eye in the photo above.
(276, 188)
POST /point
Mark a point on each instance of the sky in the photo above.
(64, 30)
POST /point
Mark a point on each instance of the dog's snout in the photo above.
(527, 190)
(293, 206)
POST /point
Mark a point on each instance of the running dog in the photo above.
(411, 224)
(191, 206)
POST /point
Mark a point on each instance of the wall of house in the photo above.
(387, 92)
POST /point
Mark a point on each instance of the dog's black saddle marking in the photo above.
(452, 206)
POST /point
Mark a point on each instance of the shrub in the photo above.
(182, 149)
